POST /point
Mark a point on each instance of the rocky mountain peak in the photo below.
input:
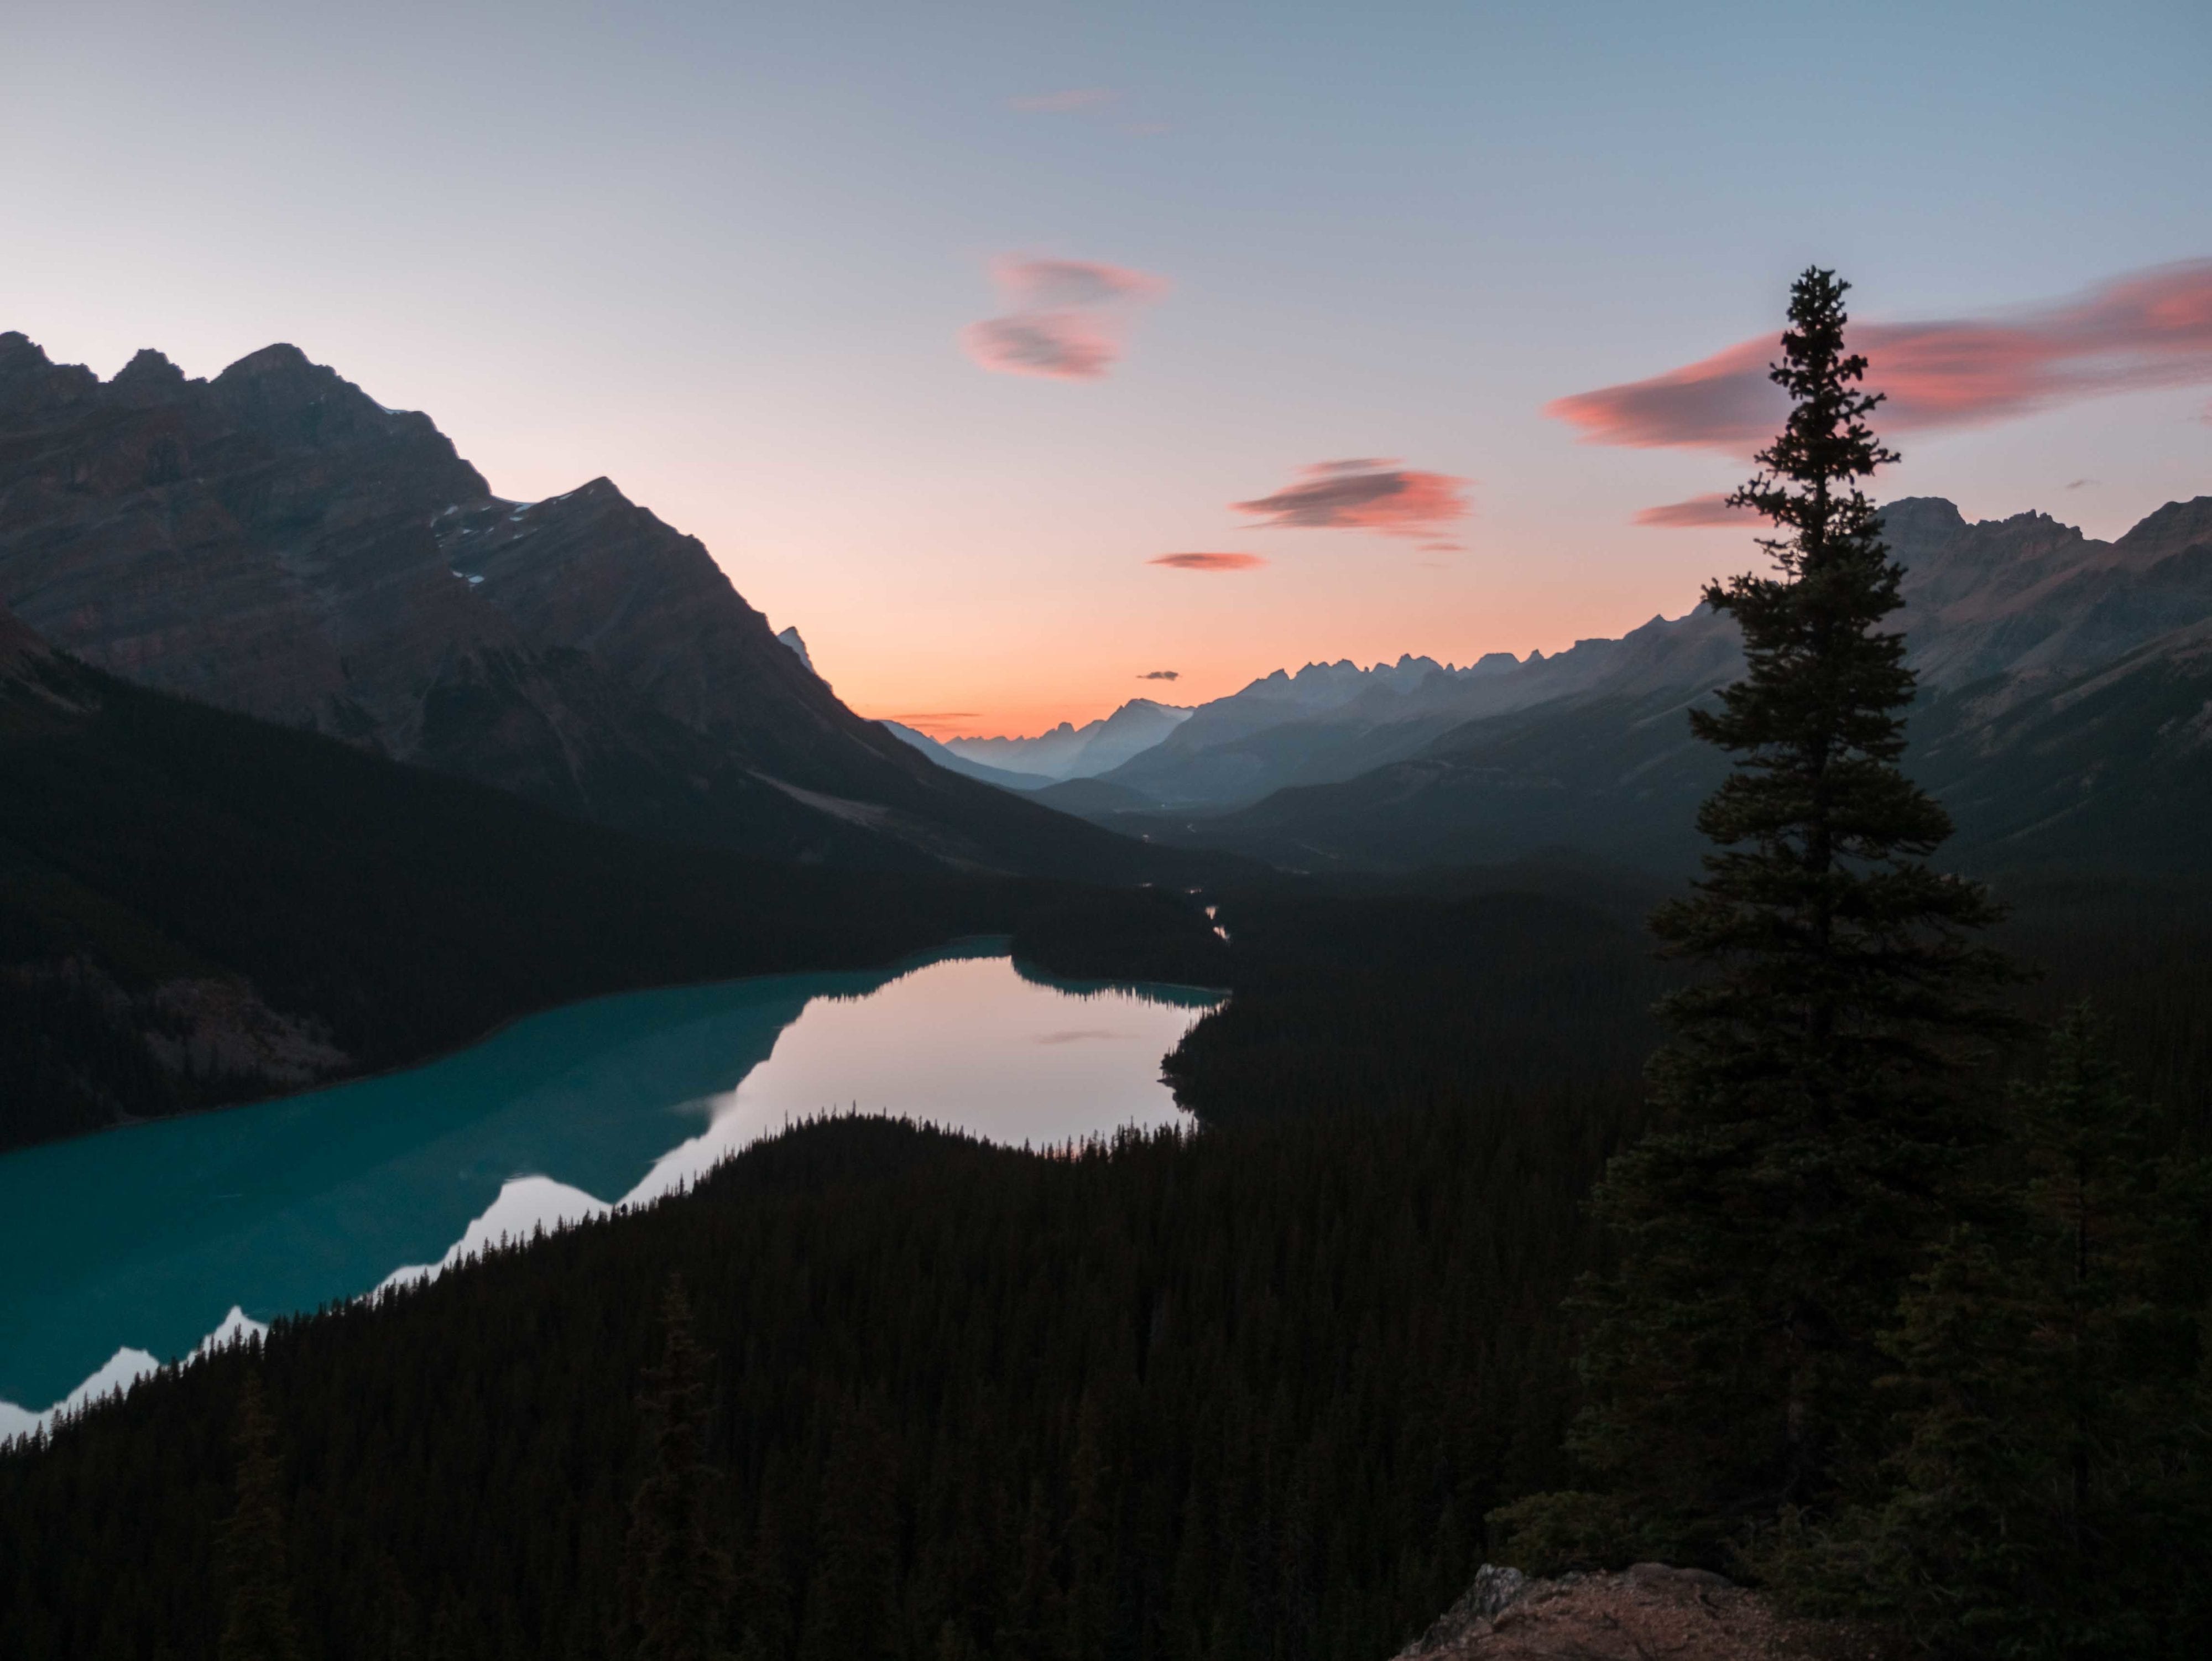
(275, 542)
(2166, 532)
(792, 639)
(279, 359)
(149, 367)
(31, 383)
(20, 355)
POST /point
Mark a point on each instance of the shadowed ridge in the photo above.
(20, 646)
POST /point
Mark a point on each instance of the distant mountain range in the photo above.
(1069, 752)
(2066, 717)
(1005, 778)
(274, 542)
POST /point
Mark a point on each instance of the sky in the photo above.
(1024, 354)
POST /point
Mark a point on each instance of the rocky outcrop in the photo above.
(797, 642)
(275, 542)
(1648, 1610)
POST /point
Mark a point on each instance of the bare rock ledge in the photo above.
(1645, 1612)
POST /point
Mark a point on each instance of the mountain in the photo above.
(2026, 597)
(2064, 681)
(1069, 752)
(1326, 722)
(196, 907)
(952, 759)
(274, 542)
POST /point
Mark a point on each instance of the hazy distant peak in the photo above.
(1069, 752)
(279, 358)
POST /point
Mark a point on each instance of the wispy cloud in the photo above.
(1047, 283)
(1209, 561)
(1058, 345)
(2146, 330)
(933, 721)
(2079, 483)
(1160, 674)
(1712, 509)
(1069, 98)
(1069, 317)
(1368, 494)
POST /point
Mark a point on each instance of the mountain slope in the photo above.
(274, 542)
(2063, 680)
(196, 907)
(1284, 727)
(2024, 598)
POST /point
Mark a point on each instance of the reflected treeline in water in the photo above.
(148, 1237)
(1180, 997)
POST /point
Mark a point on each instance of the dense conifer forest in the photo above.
(1245, 1393)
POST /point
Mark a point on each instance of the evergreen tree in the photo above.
(1809, 1115)
(678, 1580)
(851, 1599)
(2051, 1483)
(260, 1625)
(764, 1593)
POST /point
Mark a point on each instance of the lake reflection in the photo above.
(146, 1239)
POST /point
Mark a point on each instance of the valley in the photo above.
(529, 1129)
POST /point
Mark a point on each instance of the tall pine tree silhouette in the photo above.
(1809, 1113)
(259, 1625)
(679, 1581)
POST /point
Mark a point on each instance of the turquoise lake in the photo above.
(136, 1245)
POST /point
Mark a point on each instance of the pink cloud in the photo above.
(1209, 561)
(1712, 509)
(2149, 329)
(1057, 103)
(1047, 283)
(1058, 345)
(1369, 494)
(1068, 318)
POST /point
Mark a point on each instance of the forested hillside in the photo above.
(1248, 1393)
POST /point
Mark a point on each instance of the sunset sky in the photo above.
(1016, 353)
